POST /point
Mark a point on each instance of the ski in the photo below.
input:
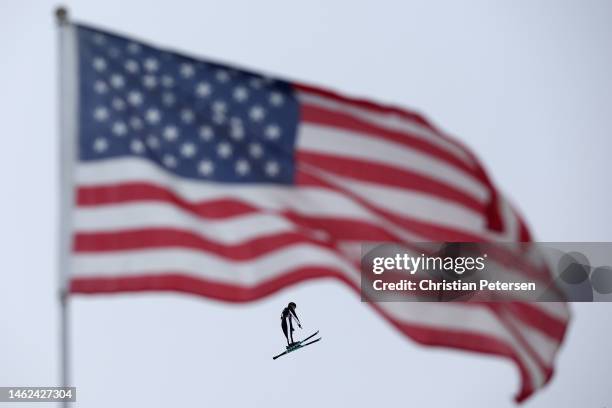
(311, 342)
(297, 343)
(281, 354)
(309, 337)
(298, 346)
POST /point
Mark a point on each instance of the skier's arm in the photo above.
(296, 318)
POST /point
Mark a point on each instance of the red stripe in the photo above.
(150, 238)
(227, 208)
(503, 314)
(343, 229)
(388, 176)
(494, 217)
(134, 191)
(470, 341)
(366, 104)
(379, 108)
(234, 293)
(532, 316)
(340, 229)
(524, 234)
(328, 117)
(428, 231)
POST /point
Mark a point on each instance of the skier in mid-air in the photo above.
(287, 322)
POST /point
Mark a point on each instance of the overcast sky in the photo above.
(526, 84)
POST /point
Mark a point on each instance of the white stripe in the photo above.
(272, 197)
(391, 121)
(558, 310)
(544, 346)
(464, 318)
(143, 215)
(409, 203)
(309, 201)
(305, 200)
(352, 145)
(209, 266)
(511, 231)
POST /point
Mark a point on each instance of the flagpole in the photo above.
(61, 18)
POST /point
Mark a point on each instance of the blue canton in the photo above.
(193, 118)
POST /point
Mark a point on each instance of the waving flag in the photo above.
(193, 176)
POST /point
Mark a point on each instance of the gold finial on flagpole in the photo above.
(61, 15)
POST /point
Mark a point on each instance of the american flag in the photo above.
(194, 176)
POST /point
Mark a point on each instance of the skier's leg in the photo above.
(284, 326)
(291, 329)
